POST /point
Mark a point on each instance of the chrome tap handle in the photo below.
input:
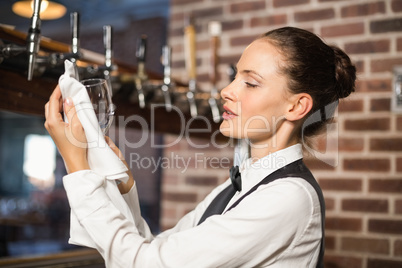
(166, 96)
(166, 62)
(214, 107)
(191, 98)
(141, 48)
(33, 38)
(75, 32)
(141, 74)
(107, 43)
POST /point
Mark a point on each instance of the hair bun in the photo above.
(345, 73)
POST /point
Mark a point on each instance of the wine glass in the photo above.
(101, 98)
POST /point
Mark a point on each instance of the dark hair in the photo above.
(325, 72)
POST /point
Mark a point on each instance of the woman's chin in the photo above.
(227, 130)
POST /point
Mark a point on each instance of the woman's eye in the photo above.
(250, 85)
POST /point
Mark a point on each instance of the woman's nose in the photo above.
(228, 93)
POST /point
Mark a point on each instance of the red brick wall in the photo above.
(363, 185)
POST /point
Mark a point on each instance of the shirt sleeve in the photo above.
(133, 203)
(260, 228)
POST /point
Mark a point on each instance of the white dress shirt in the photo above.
(278, 225)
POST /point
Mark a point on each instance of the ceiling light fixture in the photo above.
(49, 10)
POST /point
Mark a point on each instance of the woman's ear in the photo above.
(300, 105)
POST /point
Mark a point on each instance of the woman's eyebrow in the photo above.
(252, 72)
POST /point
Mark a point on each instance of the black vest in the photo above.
(299, 170)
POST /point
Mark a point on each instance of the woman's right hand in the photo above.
(69, 137)
(124, 187)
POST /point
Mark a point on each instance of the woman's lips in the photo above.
(228, 114)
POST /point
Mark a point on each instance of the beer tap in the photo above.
(141, 75)
(108, 68)
(190, 60)
(214, 31)
(75, 32)
(166, 62)
(107, 43)
(33, 38)
(56, 59)
(10, 50)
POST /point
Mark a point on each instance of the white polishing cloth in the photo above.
(101, 158)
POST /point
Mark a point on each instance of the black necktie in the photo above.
(235, 177)
(222, 199)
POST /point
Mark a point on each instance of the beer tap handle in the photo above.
(107, 43)
(141, 49)
(215, 29)
(75, 32)
(33, 38)
(166, 62)
(190, 60)
(141, 74)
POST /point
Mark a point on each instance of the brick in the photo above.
(399, 164)
(374, 124)
(363, 9)
(330, 242)
(374, 85)
(378, 263)
(230, 59)
(384, 26)
(336, 261)
(314, 15)
(329, 204)
(385, 185)
(343, 30)
(242, 41)
(365, 205)
(366, 245)
(350, 144)
(202, 181)
(399, 123)
(374, 165)
(207, 12)
(347, 105)
(316, 164)
(386, 144)
(179, 197)
(284, 3)
(398, 206)
(230, 25)
(384, 65)
(336, 184)
(398, 248)
(343, 224)
(368, 47)
(399, 44)
(396, 5)
(247, 6)
(380, 105)
(385, 226)
(360, 66)
(269, 20)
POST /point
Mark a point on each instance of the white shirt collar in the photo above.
(252, 173)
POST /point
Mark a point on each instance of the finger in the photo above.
(53, 107)
(69, 110)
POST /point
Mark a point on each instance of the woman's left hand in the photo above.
(69, 137)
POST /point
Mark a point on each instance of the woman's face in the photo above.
(255, 102)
